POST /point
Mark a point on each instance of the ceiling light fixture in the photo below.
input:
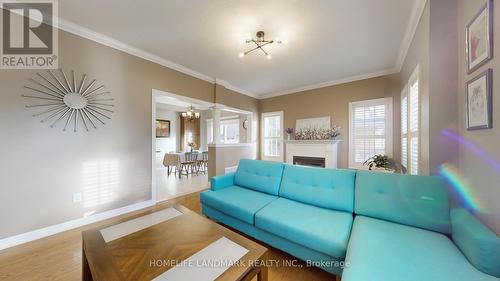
(190, 114)
(260, 42)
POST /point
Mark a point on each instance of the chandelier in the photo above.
(259, 43)
(190, 114)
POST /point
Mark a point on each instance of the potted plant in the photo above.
(384, 163)
(289, 132)
(192, 145)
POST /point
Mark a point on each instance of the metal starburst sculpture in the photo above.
(68, 101)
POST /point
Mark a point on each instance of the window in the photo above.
(272, 136)
(370, 130)
(230, 130)
(410, 125)
(210, 130)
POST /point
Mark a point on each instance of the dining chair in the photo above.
(203, 162)
(189, 163)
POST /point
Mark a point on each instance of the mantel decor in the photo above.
(317, 133)
(67, 100)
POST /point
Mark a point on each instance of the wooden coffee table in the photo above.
(174, 245)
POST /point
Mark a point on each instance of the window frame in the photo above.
(388, 102)
(414, 78)
(236, 121)
(280, 138)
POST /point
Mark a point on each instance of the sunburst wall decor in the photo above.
(68, 101)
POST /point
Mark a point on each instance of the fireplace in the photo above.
(309, 161)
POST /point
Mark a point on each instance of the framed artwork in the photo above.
(479, 36)
(162, 128)
(310, 123)
(479, 98)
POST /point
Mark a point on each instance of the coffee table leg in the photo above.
(262, 275)
(86, 274)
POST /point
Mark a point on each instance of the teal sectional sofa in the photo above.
(365, 226)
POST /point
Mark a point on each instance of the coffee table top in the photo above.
(167, 243)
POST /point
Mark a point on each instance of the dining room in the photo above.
(193, 139)
(181, 152)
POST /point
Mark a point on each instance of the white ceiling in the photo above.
(330, 41)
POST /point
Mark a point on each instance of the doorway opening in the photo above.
(179, 145)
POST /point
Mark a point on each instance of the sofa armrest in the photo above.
(221, 182)
(476, 241)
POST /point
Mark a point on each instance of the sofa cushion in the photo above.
(381, 250)
(326, 188)
(323, 230)
(478, 243)
(420, 201)
(263, 176)
(237, 202)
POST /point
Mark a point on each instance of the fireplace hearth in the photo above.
(309, 161)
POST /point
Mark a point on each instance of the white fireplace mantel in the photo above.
(327, 149)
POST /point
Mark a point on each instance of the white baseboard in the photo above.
(54, 229)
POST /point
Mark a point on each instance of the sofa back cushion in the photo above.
(263, 176)
(326, 188)
(420, 201)
(478, 243)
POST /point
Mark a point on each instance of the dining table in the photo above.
(174, 159)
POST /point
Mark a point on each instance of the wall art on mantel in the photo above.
(313, 123)
(65, 101)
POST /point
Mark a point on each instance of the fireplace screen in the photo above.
(309, 161)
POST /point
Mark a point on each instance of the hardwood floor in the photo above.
(171, 186)
(59, 257)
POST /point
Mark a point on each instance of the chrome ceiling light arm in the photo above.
(260, 42)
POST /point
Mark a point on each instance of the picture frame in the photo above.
(479, 101)
(162, 128)
(479, 38)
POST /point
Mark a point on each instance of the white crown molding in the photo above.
(54, 229)
(227, 85)
(417, 11)
(330, 83)
(115, 44)
(411, 29)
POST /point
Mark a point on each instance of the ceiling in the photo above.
(329, 41)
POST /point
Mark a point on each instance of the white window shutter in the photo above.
(370, 130)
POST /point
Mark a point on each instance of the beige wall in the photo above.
(482, 177)
(331, 101)
(443, 78)
(434, 51)
(418, 55)
(222, 157)
(234, 99)
(41, 167)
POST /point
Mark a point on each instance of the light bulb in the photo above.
(241, 55)
(269, 56)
